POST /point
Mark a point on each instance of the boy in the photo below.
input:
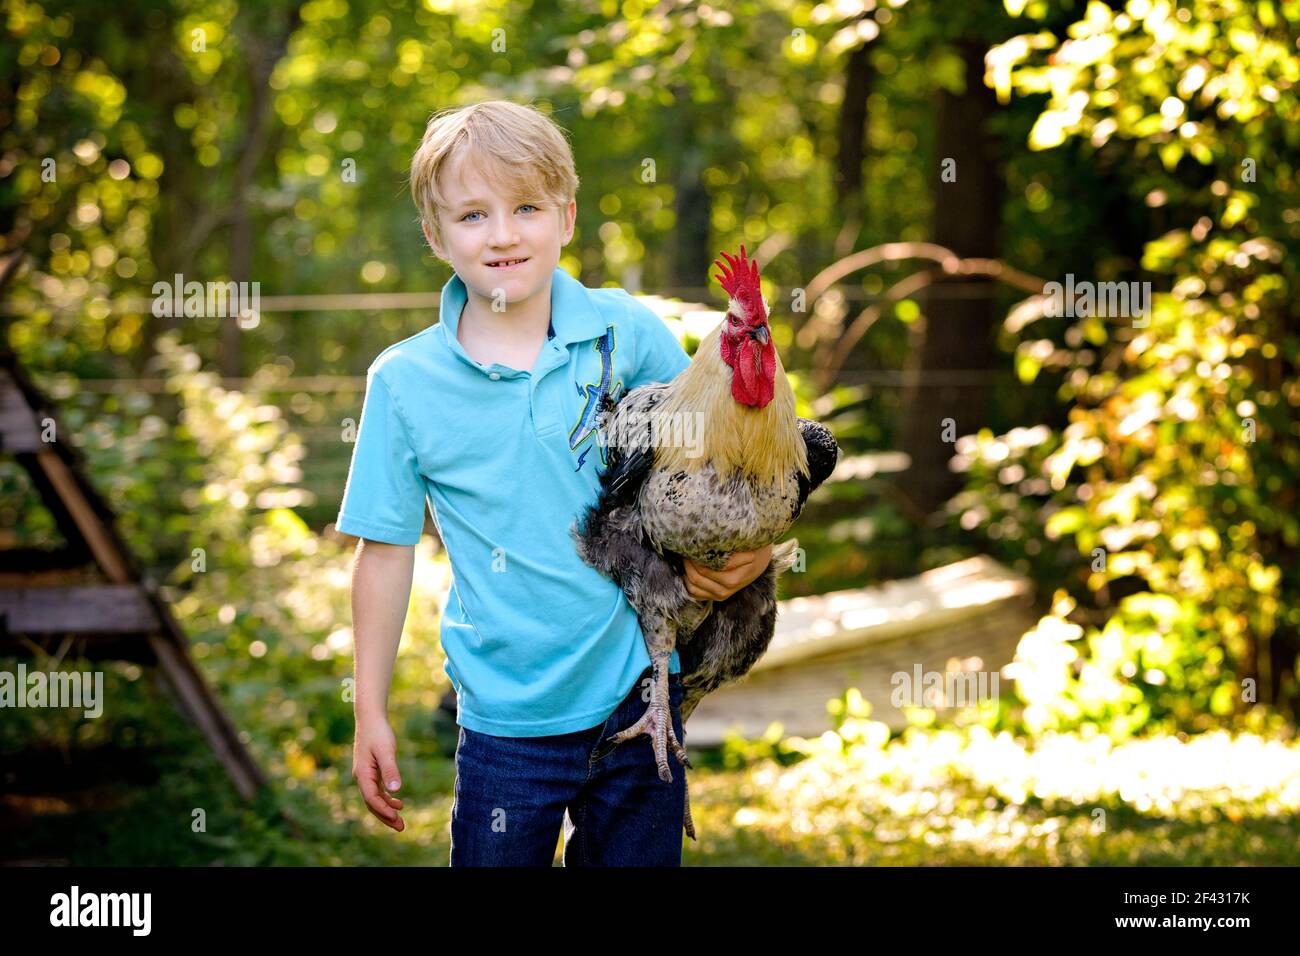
(482, 414)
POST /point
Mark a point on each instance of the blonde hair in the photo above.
(519, 150)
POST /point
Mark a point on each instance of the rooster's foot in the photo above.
(657, 724)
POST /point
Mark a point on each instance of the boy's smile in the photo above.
(506, 265)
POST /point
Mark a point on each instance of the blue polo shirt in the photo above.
(536, 641)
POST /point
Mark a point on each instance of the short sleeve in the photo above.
(659, 356)
(384, 497)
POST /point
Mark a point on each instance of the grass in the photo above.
(156, 796)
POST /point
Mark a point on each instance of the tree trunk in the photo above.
(951, 351)
(858, 79)
(263, 54)
(692, 256)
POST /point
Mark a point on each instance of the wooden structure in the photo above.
(965, 616)
(90, 594)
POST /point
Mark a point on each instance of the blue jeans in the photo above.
(513, 794)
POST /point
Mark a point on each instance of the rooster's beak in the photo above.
(761, 335)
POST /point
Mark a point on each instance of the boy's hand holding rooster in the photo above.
(703, 583)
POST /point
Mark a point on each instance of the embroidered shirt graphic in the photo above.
(595, 393)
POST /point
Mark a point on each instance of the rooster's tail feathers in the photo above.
(784, 555)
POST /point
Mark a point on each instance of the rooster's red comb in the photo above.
(741, 280)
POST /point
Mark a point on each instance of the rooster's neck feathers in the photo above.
(763, 443)
(737, 431)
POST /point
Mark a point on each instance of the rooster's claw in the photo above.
(656, 723)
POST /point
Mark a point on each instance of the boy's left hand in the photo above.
(703, 583)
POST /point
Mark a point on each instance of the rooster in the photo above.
(739, 488)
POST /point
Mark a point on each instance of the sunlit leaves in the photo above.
(969, 795)
(1185, 419)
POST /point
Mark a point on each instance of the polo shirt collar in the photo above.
(574, 316)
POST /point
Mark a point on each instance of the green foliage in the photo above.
(1142, 473)
(1172, 477)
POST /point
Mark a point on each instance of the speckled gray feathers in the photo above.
(646, 519)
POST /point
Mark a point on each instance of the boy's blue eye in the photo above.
(474, 212)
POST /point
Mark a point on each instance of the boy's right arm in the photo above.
(381, 592)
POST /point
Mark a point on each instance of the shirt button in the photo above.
(494, 375)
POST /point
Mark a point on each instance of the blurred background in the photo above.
(1091, 513)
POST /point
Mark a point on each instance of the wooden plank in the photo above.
(809, 627)
(201, 708)
(99, 538)
(969, 615)
(796, 695)
(57, 469)
(18, 427)
(93, 609)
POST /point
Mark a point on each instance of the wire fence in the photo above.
(317, 407)
(695, 297)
